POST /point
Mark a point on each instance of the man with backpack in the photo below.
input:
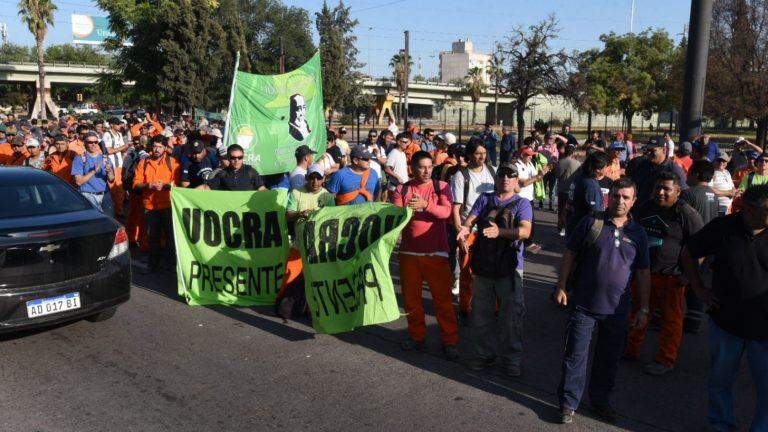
(154, 178)
(424, 255)
(114, 147)
(503, 219)
(92, 172)
(603, 252)
(467, 184)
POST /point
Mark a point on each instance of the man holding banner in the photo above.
(357, 183)
(238, 176)
(424, 255)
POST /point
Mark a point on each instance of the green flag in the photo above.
(272, 115)
(231, 246)
(345, 253)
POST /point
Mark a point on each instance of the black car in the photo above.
(60, 258)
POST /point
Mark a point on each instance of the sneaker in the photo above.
(455, 289)
(411, 345)
(605, 412)
(513, 370)
(479, 364)
(450, 352)
(566, 415)
(562, 232)
(657, 369)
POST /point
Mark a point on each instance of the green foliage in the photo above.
(12, 52)
(631, 72)
(266, 21)
(399, 69)
(37, 15)
(341, 82)
(474, 86)
(75, 54)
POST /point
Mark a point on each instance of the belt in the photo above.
(94, 193)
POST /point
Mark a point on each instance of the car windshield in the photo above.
(40, 199)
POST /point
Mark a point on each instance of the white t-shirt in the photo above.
(479, 183)
(397, 160)
(375, 165)
(722, 181)
(393, 127)
(343, 145)
(670, 148)
(525, 172)
(298, 177)
(114, 141)
(326, 161)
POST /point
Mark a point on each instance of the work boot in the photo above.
(513, 370)
(450, 352)
(566, 415)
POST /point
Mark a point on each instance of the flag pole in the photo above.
(228, 126)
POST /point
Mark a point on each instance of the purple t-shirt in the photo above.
(523, 212)
(605, 269)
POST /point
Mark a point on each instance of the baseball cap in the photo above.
(330, 136)
(723, 156)
(449, 138)
(527, 151)
(415, 135)
(197, 146)
(507, 167)
(304, 150)
(3, 128)
(33, 143)
(360, 152)
(316, 168)
(617, 145)
(654, 141)
(343, 130)
(11, 130)
(752, 154)
(686, 148)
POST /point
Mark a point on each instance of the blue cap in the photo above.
(415, 135)
(617, 145)
(752, 154)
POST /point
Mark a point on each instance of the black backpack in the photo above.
(465, 173)
(495, 258)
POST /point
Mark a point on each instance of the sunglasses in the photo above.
(17, 145)
(91, 142)
(365, 159)
(507, 174)
(316, 177)
(235, 158)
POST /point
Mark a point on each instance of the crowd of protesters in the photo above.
(659, 234)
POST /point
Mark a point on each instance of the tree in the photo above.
(341, 82)
(534, 68)
(38, 15)
(474, 86)
(496, 73)
(576, 87)
(737, 81)
(11, 52)
(630, 72)
(268, 20)
(399, 69)
(75, 54)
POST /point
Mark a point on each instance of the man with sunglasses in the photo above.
(356, 183)
(302, 201)
(238, 176)
(738, 301)
(503, 220)
(600, 297)
(759, 176)
(92, 172)
(18, 153)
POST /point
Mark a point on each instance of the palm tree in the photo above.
(399, 68)
(474, 85)
(496, 72)
(38, 15)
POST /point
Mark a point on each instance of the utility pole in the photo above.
(632, 18)
(282, 56)
(405, 83)
(695, 69)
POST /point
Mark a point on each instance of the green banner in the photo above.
(345, 252)
(272, 115)
(231, 246)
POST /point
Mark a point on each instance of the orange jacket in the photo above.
(77, 147)
(13, 159)
(136, 129)
(164, 169)
(61, 165)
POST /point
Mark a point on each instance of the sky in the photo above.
(434, 24)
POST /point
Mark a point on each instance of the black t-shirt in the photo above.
(196, 173)
(646, 173)
(702, 198)
(244, 179)
(335, 153)
(740, 279)
(737, 162)
(667, 229)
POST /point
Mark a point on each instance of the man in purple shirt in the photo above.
(598, 295)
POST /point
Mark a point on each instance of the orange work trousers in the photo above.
(465, 279)
(414, 270)
(667, 294)
(118, 193)
(136, 225)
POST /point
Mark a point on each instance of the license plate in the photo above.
(52, 305)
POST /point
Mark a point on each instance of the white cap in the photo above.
(33, 143)
(450, 138)
(316, 168)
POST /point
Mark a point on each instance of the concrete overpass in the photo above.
(429, 102)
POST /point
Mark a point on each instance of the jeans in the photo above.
(611, 334)
(550, 185)
(453, 245)
(507, 329)
(159, 225)
(725, 352)
(491, 154)
(102, 202)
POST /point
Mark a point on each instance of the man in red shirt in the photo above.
(424, 255)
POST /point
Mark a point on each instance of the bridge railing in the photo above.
(56, 63)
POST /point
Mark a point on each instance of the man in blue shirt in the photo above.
(704, 147)
(490, 139)
(357, 183)
(508, 145)
(597, 294)
(197, 168)
(92, 172)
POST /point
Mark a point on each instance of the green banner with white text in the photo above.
(345, 252)
(231, 246)
(272, 115)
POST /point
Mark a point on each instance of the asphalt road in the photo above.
(160, 365)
